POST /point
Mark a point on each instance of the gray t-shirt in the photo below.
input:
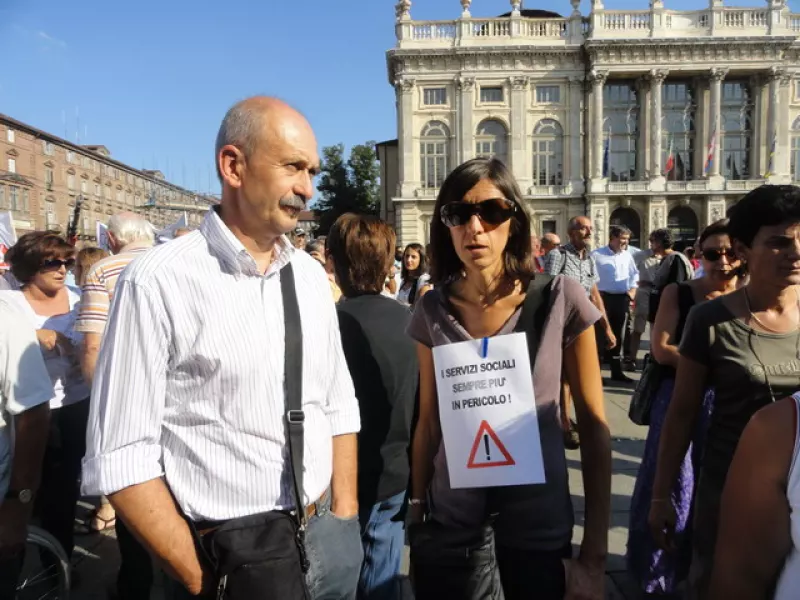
(736, 356)
(531, 517)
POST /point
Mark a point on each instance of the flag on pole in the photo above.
(670, 164)
(771, 162)
(710, 156)
(8, 236)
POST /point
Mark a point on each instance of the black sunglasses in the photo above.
(493, 211)
(714, 255)
(54, 264)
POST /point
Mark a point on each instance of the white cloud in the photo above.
(49, 39)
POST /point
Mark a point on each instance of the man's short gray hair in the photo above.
(241, 127)
(130, 227)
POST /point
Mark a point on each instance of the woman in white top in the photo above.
(40, 261)
(414, 278)
(758, 546)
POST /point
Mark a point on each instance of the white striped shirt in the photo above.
(189, 382)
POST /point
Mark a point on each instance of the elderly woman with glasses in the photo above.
(503, 540)
(40, 261)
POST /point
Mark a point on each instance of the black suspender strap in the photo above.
(293, 385)
(535, 308)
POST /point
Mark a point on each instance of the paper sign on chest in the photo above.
(488, 412)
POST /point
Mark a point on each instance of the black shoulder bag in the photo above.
(263, 555)
(450, 562)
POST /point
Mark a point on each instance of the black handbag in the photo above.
(451, 562)
(645, 392)
(263, 556)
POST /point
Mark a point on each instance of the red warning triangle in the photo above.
(483, 431)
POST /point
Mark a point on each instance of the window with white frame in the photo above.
(548, 94)
(620, 131)
(10, 135)
(71, 181)
(13, 197)
(548, 153)
(97, 191)
(85, 161)
(70, 156)
(737, 127)
(794, 158)
(491, 95)
(434, 153)
(25, 204)
(47, 147)
(12, 165)
(50, 215)
(491, 140)
(2, 196)
(434, 96)
(84, 186)
(119, 195)
(85, 224)
(49, 177)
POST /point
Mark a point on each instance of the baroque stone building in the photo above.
(649, 118)
(42, 176)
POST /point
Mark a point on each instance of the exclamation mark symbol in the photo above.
(486, 445)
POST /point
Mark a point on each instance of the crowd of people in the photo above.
(261, 415)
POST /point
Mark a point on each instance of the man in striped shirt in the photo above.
(129, 236)
(188, 404)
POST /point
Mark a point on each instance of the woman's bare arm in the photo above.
(664, 351)
(428, 433)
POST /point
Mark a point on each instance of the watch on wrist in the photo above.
(22, 496)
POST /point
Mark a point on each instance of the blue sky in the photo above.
(151, 79)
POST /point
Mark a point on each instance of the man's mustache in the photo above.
(296, 202)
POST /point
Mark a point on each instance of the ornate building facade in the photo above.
(42, 176)
(649, 118)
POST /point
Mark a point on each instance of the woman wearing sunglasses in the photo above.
(40, 261)
(481, 269)
(746, 346)
(659, 573)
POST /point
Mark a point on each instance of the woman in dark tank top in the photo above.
(657, 572)
(481, 270)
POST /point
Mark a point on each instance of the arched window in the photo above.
(794, 159)
(548, 153)
(491, 140)
(737, 126)
(434, 154)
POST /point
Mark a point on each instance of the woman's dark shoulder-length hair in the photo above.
(445, 264)
(405, 274)
(765, 206)
(32, 249)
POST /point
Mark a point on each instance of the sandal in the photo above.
(95, 523)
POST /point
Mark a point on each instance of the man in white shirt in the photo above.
(617, 281)
(188, 414)
(25, 391)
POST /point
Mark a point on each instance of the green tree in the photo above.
(347, 186)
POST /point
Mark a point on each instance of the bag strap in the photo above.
(534, 310)
(293, 385)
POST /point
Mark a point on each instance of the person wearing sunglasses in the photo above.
(40, 261)
(481, 270)
(657, 572)
(746, 346)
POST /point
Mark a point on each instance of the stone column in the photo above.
(573, 146)
(657, 78)
(598, 81)
(775, 75)
(466, 87)
(519, 131)
(405, 87)
(717, 75)
(643, 150)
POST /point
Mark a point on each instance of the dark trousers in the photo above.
(61, 471)
(135, 577)
(9, 575)
(617, 310)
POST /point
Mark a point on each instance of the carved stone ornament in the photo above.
(658, 216)
(576, 7)
(404, 85)
(658, 76)
(717, 73)
(515, 5)
(403, 10)
(716, 213)
(465, 4)
(518, 82)
(598, 77)
(466, 84)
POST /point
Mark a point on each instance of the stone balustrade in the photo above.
(602, 24)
